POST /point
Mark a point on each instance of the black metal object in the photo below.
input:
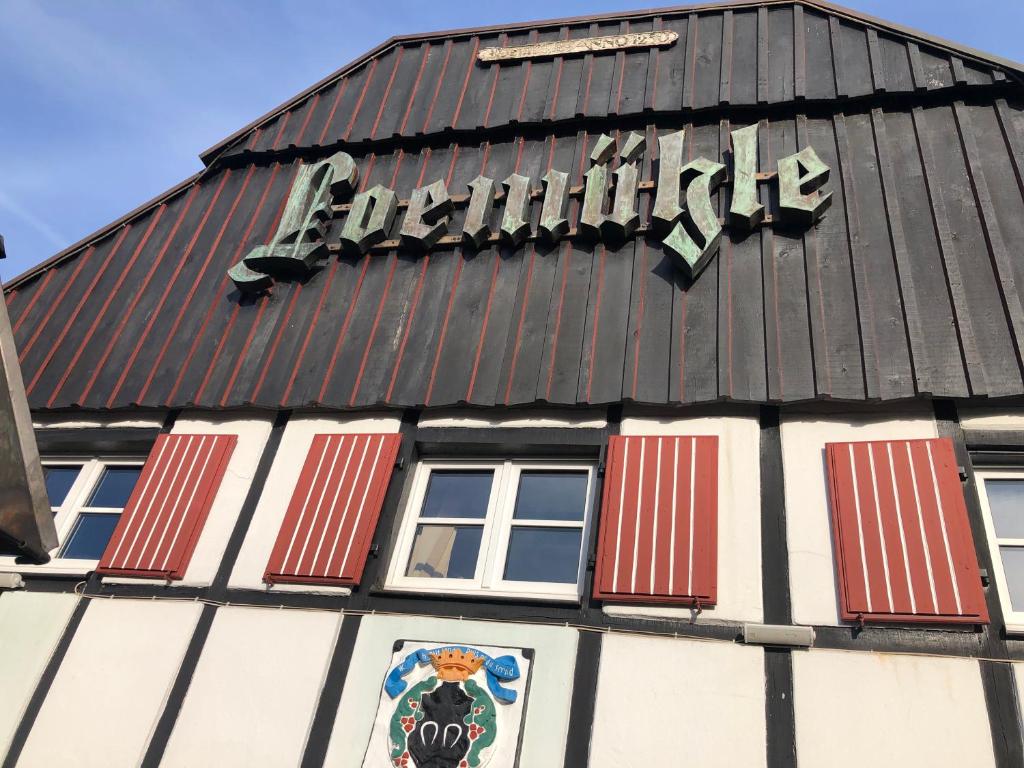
(26, 521)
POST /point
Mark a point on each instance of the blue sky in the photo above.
(107, 103)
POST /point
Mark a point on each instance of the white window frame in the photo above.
(1014, 620)
(497, 529)
(66, 514)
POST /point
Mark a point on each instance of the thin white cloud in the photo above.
(40, 226)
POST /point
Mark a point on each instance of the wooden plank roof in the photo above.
(906, 287)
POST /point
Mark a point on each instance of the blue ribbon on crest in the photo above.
(499, 670)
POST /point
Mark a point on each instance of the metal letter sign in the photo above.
(25, 516)
(298, 243)
(684, 216)
(582, 45)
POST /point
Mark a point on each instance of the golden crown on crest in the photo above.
(455, 664)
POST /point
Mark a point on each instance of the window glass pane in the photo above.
(543, 554)
(458, 493)
(115, 487)
(59, 481)
(1006, 500)
(551, 496)
(90, 535)
(1013, 567)
(445, 551)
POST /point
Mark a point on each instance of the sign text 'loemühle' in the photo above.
(683, 217)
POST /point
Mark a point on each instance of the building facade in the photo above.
(633, 390)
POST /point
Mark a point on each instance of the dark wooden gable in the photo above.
(907, 287)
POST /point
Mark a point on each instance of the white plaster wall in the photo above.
(277, 493)
(739, 509)
(547, 708)
(255, 689)
(991, 418)
(812, 574)
(31, 623)
(112, 684)
(662, 701)
(253, 433)
(468, 417)
(855, 709)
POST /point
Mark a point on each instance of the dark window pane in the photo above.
(90, 535)
(458, 493)
(1013, 567)
(543, 554)
(59, 481)
(445, 551)
(115, 487)
(1006, 500)
(551, 496)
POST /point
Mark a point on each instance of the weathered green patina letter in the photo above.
(800, 202)
(477, 227)
(624, 219)
(745, 211)
(592, 214)
(370, 220)
(298, 242)
(553, 224)
(693, 241)
(515, 224)
(667, 210)
(427, 217)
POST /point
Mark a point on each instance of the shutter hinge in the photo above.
(374, 550)
(985, 580)
(963, 473)
(400, 462)
(600, 469)
(591, 563)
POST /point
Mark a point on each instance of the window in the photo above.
(87, 497)
(1002, 500)
(512, 528)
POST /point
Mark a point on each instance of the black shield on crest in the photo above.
(441, 738)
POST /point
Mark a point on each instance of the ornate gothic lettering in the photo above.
(370, 220)
(553, 224)
(595, 193)
(688, 226)
(624, 219)
(694, 240)
(580, 46)
(745, 211)
(427, 217)
(515, 224)
(298, 242)
(477, 227)
(800, 177)
(667, 210)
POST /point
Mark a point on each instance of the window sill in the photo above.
(478, 594)
(1015, 629)
(307, 589)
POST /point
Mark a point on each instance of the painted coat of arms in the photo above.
(450, 706)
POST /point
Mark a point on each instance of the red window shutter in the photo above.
(658, 539)
(159, 528)
(903, 542)
(329, 525)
